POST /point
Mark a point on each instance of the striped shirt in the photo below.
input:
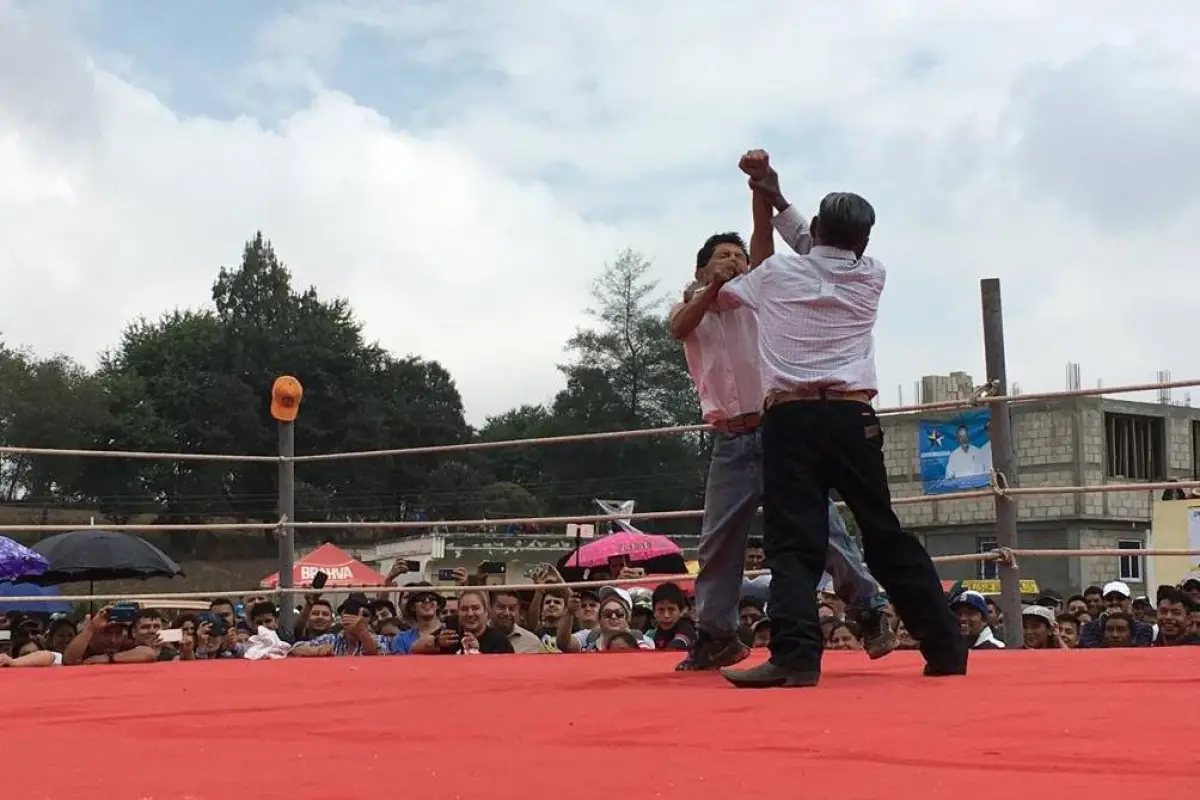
(722, 352)
(342, 647)
(816, 318)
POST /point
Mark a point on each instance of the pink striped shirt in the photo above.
(722, 352)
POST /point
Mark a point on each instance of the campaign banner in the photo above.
(955, 454)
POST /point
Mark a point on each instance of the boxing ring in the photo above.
(1069, 723)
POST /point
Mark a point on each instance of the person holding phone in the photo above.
(126, 639)
(354, 639)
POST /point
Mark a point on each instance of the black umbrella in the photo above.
(97, 555)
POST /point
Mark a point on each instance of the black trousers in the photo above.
(810, 447)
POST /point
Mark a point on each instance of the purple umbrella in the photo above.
(18, 561)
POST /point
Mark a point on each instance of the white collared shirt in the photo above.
(722, 352)
(816, 318)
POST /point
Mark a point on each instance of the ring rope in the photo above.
(978, 397)
(997, 555)
(975, 494)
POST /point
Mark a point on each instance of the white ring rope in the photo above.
(999, 554)
(998, 487)
(975, 494)
(979, 397)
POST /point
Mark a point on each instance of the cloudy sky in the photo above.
(462, 170)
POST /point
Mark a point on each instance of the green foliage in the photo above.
(198, 381)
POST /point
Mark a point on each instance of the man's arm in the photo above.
(762, 236)
(791, 224)
(687, 315)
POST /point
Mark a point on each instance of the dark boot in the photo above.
(768, 676)
(710, 653)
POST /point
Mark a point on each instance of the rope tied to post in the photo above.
(998, 482)
(981, 392)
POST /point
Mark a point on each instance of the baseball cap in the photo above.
(1041, 612)
(973, 599)
(286, 394)
(1116, 587)
(615, 592)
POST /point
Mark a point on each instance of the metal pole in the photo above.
(1003, 456)
(287, 533)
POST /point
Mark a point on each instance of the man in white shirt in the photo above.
(816, 320)
(722, 356)
(964, 460)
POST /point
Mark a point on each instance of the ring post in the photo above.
(286, 394)
(1003, 456)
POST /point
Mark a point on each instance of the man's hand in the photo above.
(461, 577)
(5, 659)
(99, 620)
(325, 650)
(548, 574)
(574, 605)
(398, 569)
(631, 572)
(763, 178)
(446, 638)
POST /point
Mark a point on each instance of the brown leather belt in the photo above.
(812, 395)
(743, 423)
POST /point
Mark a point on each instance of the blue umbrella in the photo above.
(18, 561)
(49, 606)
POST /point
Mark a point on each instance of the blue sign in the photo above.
(955, 454)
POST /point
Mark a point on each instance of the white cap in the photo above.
(610, 592)
(1116, 587)
(1041, 612)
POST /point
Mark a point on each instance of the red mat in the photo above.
(1115, 723)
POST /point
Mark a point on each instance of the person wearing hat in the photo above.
(971, 610)
(423, 609)
(615, 612)
(354, 639)
(1117, 599)
(1038, 626)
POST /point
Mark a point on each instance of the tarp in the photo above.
(333, 561)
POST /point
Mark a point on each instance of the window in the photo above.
(1135, 447)
(987, 570)
(1131, 566)
(1196, 451)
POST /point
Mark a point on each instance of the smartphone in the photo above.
(413, 566)
(493, 568)
(446, 574)
(5, 636)
(171, 635)
(122, 615)
(319, 580)
(217, 626)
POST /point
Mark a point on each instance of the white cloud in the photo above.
(1049, 144)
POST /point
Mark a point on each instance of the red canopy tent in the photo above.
(342, 570)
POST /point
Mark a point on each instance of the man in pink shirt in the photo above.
(722, 357)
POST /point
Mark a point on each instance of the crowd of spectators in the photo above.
(420, 619)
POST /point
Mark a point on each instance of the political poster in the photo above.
(955, 454)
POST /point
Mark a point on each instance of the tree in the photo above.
(199, 381)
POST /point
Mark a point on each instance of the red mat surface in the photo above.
(1080, 724)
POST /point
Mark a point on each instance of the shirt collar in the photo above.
(825, 251)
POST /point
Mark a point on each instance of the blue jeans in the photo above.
(731, 500)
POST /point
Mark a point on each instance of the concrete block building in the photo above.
(1080, 441)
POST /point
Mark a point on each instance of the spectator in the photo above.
(1191, 585)
(672, 630)
(315, 619)
(101, 642)
(382, 610)
(972, 612)
(1116, 598)
(354, 639)
(842, 635)
(1175, 609)
(468, 634)
(1117, 629)
(1068, 630)
(750, 611)
(1051, 599)
(1094, 597)
(505, 609)
(643, 609)
(614, 610)
(1076, 605)
(263, 614)
(59, 634)
(903, 637)
(1037, 625)
(27, 651)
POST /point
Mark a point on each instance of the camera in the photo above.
(122, 614)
